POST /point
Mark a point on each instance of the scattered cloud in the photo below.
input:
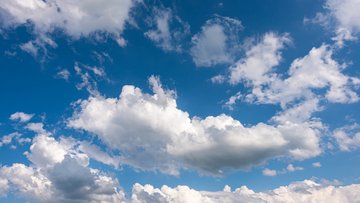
(89, 76)
(30, 48)
(168, 30)
(316, 164)
(348, 137)
(292, 168)
(217, 42)
(269, 172)
(232, 101)
(260, 58)
(21, 117)
(64, 74)
(7, 139)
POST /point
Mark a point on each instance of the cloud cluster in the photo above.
(59, 172)
(315, 72)
(152, 133)
(304, 191)
(74, 18)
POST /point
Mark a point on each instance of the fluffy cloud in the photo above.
(341, 16)
(10, 138)
(348, 137)
(169, 30)
(269, 172)
(259, 60)
(58, 173)
(153, 134)
(347, 15)
(305, 191)
(315, 71)
(74, 18)
(21, 117)
(216, 43)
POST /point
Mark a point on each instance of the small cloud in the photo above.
(269, 172)
(30, 48)
(36, 127)
(21, 117)
(217, 42)
(218, 79)
(292, 168)
(64, 74)
(316, 164)
(168, 30)
(232, 101)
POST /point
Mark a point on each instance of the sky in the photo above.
(179, 101)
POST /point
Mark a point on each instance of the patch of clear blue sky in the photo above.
(28, 85)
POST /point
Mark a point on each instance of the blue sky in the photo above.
(176, 101)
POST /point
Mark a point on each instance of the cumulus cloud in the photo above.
(304, 191)
(58, 173)
(217, 42)
(163, 137)
(74, 18)
(315, 71)
(259, 60)
(168, 30)
(21, 117)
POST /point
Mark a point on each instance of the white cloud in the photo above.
(36, 127)
(89, 76)
(30, 48)
(169, 30)
(218, 79)
(58, 173)
(340, 16)
(232, 100)
(216, 43)
(94, 152)
(7, 139)
(305, 191)
(21, 117)
(64, 74)
(269, 172)
(74, 18)
(259, 60)
(163, 137)
(315, 71)
(316, 164)
(348, 137)
(292, 168)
